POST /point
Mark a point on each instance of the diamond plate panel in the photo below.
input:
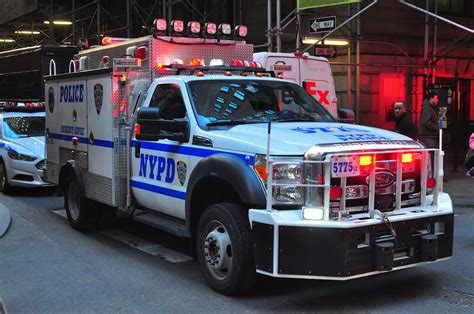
(98, 188)
(114, 51)
(164, 51)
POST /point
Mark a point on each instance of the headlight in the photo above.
(18, 156)
(286, 176)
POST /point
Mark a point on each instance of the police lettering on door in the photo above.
(157, 167)
(73, 93)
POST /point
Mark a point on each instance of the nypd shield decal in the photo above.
(98, 97)
(181, 169)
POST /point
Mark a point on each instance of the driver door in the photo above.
(160, 168)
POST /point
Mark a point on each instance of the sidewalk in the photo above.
(460, 187)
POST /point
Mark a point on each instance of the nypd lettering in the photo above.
(71, 93)
(157, 167)
(343, 133)
(340, 129)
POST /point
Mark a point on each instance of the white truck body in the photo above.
(182, 162)
(313, 73)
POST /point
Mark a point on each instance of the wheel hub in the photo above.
(218, 251)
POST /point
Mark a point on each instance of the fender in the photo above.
(233, 170)
(72, 165)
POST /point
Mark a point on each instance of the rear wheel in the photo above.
(5, 187)
(224, 248)
(81, 212)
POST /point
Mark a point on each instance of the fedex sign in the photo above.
(312, 89)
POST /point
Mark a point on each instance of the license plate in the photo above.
(345, 166)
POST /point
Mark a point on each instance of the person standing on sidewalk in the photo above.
(471, 141)
(403, 123)
(429, 125)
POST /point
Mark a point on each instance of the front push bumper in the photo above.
(286, 245)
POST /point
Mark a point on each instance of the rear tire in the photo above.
(81, 212)
(5, 187)
(224, 249)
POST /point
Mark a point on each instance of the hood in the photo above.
(33, 146)
(295, 138)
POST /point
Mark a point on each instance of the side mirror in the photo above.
(346, 116)
(153, 127)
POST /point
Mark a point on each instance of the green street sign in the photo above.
(311, 4)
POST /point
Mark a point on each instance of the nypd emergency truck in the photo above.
(189, 135)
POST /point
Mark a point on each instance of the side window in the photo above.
(168, 98)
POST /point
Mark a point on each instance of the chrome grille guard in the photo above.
(326, 175)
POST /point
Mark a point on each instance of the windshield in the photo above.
(23, 127)
(231, 102)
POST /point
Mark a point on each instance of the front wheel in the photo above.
(5, 187)
(224, 248)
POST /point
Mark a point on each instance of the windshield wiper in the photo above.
(294, 119)
(233, 122)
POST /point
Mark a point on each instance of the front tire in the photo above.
(224, 248)
(5, 187)
(81, 213)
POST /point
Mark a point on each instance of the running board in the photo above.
(162, 222)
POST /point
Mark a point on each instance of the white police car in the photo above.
(21, 148)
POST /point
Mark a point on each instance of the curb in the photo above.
(5, 219)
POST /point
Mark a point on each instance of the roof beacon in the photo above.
(210, 30)
(193, 29)
(160, 26)
(176, 28)
(240, 32)
(224, 31)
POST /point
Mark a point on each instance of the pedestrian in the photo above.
(469, 162)
(429, 124)
(403, 123)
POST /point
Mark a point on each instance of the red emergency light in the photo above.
(176, 27)
(210, 30)
(224, 30)
(240, 32)
(141, 53)
(193, 29)
(160, 26)
(112, 40)
(237, 63)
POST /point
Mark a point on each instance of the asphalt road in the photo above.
(46, 266)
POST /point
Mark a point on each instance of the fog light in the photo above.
(313, 213)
